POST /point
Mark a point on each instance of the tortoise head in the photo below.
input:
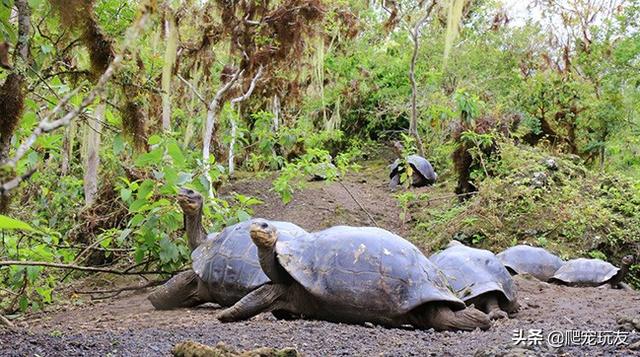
(398, 148)
(454, 243)
(190, 200)
(627, 260)
(263, 234)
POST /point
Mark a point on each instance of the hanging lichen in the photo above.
(11, 107)
(454, 17)
(134, 125)
(78, 15)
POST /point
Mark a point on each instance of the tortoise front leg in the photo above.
(492, 308)
(180, 291)
(264, 298)
(441, 317)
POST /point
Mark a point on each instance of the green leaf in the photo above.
(32, 158)
(146, 189)
(118, 144)
(136, 220)
(184, 177)
(152, 157)
(139, 205)
(24, 303)
(139, 254)
(243, 216)
(33, 273)
(105, 243)
(125, 194)
(176, 154)
(45, 293)
(170, 175)
(11, 223)
(29, 119)
(154, 140)
(34, 4)
(168, 250)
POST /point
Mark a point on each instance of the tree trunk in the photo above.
(413, 125)
(67, 148)
(92, 154)
(276, 113)
(232, 143)
(167, 69)
(207, 136)
(12, 91)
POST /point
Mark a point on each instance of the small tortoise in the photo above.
(478, 278)
(225, 267)
(352, 275)
(537, 262)
(593, 272)
(423, 173)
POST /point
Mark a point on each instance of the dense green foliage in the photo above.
(508, 94)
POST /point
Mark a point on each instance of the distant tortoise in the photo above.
(537, 262)
(422, 171)
(225, 267)
(323, 171)
(593, 272)
(478, 278)
(352, 275)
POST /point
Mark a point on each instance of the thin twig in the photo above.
(252, 86)
(14, 182)
(90, 247)
(126, 288)
(193, 89)
(78, 267)
(359, 204)
(235, 101)
(6, 322)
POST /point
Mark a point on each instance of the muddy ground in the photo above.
(127, 325)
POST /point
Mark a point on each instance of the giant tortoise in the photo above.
(534, 261)
(422, 173)
(593, 272)
(353, 275)
(225, 267)
(478, 278)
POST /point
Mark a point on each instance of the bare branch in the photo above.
(14, 182)
(115, 292)
(208, 130)
(234, 101)
(77, 267)
(4, 321)
(252, 86)
(415, 36)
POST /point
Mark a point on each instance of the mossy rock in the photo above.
(194, 349)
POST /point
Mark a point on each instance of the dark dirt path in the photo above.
(128, 325)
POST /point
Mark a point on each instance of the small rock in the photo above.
(539, 180)
(551, 164)
(629, 324)
(369, 324)
(635, 346)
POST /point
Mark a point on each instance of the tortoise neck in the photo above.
(193, 228)
(617, 279)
